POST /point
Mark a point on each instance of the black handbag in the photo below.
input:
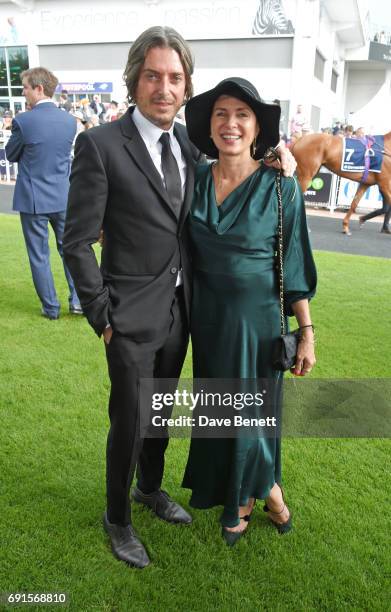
(285, 348)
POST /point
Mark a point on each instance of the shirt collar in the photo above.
(45, 100)
(147, 129)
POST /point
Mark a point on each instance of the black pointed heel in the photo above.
(231, 537)
(282, 528)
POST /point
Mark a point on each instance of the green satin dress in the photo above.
(236, 319)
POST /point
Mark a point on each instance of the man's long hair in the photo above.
(163, 37)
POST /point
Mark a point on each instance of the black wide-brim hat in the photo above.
(198, 112)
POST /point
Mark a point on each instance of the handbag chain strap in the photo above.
(279, 254)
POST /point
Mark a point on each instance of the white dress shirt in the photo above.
(151, 134)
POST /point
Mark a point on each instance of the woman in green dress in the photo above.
(236, 306)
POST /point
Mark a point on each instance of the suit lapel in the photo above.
(184, 143)
(136, 148)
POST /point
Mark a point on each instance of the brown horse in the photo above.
(316, 150)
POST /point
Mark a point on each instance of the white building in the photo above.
(313, 52)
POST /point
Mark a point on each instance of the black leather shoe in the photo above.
(125, 544)
(162, 505)
(75, 310)
(385, 230)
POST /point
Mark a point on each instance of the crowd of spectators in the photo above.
(89, 114)
(337, 129)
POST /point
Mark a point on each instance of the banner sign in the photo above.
(379, 52)
(6, 168)
(92, 21)
(371, 199)
(85, 87)
(319, 191)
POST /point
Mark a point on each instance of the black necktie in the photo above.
(171, 174)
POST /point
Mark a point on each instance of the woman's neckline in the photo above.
(215, 186)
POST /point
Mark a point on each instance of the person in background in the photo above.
(98, 108)
(348, 132)
(85, 109)
(306, 129)
(337, 127)
(92, 122)
(80, 121)
(295, 136)
(41, 142)
(298, 120)
(359, 133)
(64, 103)
(112, 112)
(7, 120)
(385, 210)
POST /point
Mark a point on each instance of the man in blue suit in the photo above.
(41, 143)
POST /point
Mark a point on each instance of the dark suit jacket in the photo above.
(115, 186)
(41, 143)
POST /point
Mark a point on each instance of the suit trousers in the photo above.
(129, 361)
(36, 236)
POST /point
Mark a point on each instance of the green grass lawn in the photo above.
(53, 419)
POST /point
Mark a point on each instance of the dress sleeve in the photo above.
(299, 266)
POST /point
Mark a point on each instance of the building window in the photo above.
(13, 60)
(18, 61)
(319, 65)
(334, 80)
(3, 69)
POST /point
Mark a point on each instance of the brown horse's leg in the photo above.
(357, 197)
(304, 180)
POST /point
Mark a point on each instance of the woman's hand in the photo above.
(305, 358)
(285, 160)
(288, 162)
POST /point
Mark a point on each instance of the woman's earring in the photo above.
(254, 147)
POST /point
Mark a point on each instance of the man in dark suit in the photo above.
(65, 104)
(123, 182)
(134, 178)
(41, 142)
